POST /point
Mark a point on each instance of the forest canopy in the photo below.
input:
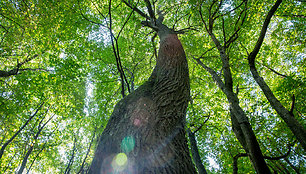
(65, 64)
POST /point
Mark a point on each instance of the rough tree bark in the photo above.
(146, 131)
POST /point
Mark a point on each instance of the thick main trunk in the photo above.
(145, 133)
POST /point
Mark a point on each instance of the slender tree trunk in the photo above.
(34, 159)
(195, 152)
(240, 123)
(297, 129)
(26, 157)
(71, 160)
(146, 132)
(20, 129)
(81, 170)
(244, 133)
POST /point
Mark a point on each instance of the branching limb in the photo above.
(17, 68)
(244, 1)
(200, 127)
(116, 52)
(150, 10)
(213, 73)
(236, 157)
(263, 31)
(94, 22)
(137, 10)
(297, 129)
(274, 71)
(20, 129)
(235, 161)
(238, 24)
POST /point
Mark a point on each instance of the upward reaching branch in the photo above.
(20, 129)
(137, 10)
(240, 124)
(297, 129)
(17, 69)
(263, 31)
(150, 9)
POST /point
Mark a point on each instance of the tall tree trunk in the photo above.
(297, 129)
(240, 123)
(146, 131)
(195, 152)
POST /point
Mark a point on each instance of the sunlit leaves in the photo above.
(80, 83)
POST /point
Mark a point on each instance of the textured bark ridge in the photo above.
(145, 133)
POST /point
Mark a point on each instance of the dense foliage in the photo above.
(65, 64)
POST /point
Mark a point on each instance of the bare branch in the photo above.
(150, 10)
(97, 23)
(235, 162)
(116, 52)
(292, 16)
(244, 1)
(237, 26)
(88, 150)
(137, 10)
(213, 73)
(274, 71)
(200, 127)
(17, 69)
(263, 31)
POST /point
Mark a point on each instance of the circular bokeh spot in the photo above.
(121, 159)
(119, 162)
(127, 144)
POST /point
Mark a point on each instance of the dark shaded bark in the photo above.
(34, 159)
(146, 131)
(236, 157)
(195, 152)
(297, 129)
(240, 122)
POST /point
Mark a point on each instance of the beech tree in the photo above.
(160, 86)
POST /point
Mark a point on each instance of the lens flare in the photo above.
(127, 144)
(121, 159)
(119, 162)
